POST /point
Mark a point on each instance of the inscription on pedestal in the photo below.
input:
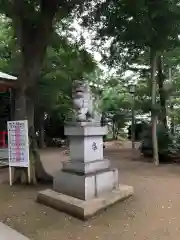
(94, 146)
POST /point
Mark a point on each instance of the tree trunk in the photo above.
(24, 109)
(133, 137)
(32, 36)
(20, 174)
(113, 130)
(172, 125)
(37, 170)
(171, 105)
(41, 131)
(163, 114)
(32, 137)
(153, 111)
(116, 132)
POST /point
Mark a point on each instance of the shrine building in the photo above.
(7, 89)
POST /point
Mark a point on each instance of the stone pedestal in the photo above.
(87, 178)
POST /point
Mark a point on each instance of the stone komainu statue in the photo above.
(86, 105)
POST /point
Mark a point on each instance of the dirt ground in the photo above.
(152, 213)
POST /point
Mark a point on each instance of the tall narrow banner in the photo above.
(18, 143)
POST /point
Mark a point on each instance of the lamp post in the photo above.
(132, 89)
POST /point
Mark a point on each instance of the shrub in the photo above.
(165, 143)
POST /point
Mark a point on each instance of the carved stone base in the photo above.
(86, 183)
(87, 186)
(80, 208)
(86, 167)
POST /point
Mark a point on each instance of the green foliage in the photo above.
(63, 63)
(164, 142)
(134, 26)
(8, 48)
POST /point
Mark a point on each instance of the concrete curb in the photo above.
(7, 233)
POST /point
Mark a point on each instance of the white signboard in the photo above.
(18, 143)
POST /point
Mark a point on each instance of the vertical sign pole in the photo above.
(29, 174)
(10, 176)
(10, 170)
(27, 144)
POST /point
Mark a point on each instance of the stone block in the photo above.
(7, 233)
(86, 149)
(86, 167)
(107, 181)
(80, 208)
(85, 130)
(85, 186)
(75, 185)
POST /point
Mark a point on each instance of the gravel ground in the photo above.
(152, 213)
